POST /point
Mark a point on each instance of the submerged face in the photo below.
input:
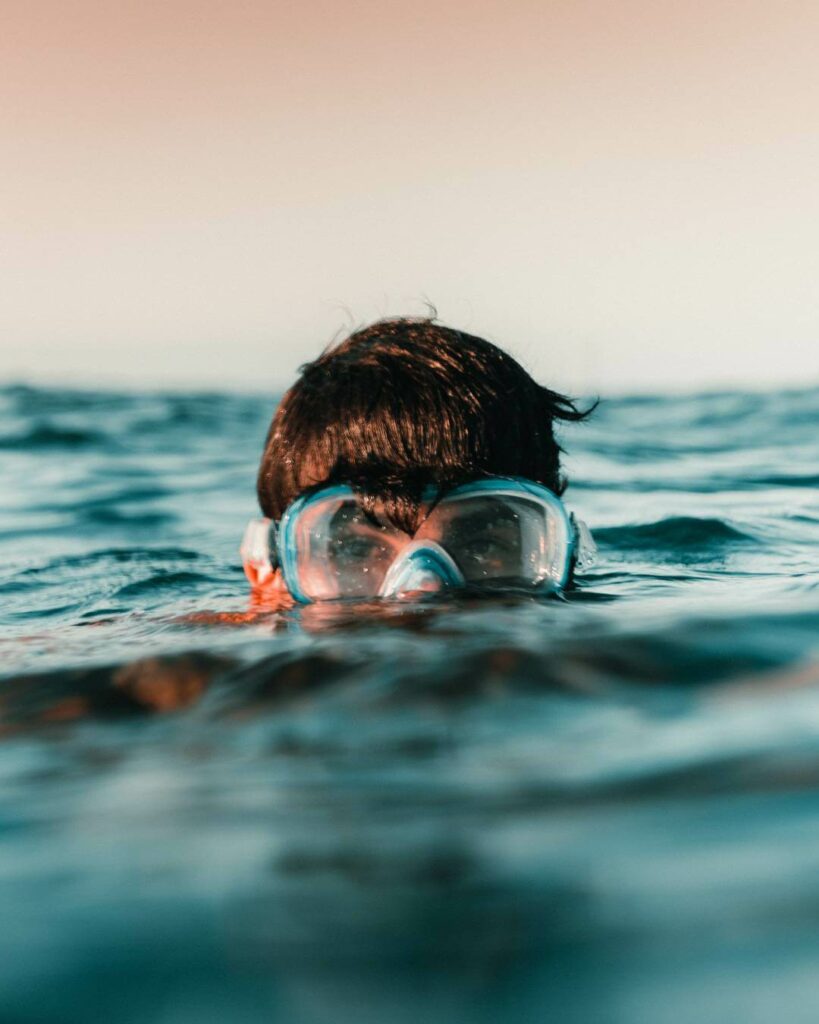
(495, 532)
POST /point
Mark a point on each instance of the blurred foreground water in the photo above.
(604, 809)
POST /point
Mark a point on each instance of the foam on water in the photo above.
(598, 809)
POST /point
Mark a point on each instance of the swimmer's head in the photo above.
(404, 406)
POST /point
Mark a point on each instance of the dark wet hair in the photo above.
(404, 404)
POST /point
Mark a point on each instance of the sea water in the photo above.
(598, 809)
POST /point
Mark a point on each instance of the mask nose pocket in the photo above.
(423, 566)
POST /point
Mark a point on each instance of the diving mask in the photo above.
(502, 532)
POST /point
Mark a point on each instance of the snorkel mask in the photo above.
(498, 533)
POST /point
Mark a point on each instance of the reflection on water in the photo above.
(604, 808)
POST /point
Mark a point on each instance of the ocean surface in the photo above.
(597, 809)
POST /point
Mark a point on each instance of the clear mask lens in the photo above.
(342, 551)
(494, 538)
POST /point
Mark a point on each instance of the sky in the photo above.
(623, 194)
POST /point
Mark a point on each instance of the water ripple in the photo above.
(596, 808)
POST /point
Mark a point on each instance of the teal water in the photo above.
(603, 809)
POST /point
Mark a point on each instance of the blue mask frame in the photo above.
(286, 553)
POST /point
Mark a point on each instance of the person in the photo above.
(410, 458)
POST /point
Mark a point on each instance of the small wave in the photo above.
(112, 516)
(126, 493)
(162, 581)
(49, 436)
(674, 533)
(789, 480)
(138, 555)
(144, 686)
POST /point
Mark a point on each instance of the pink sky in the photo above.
(622, 193)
